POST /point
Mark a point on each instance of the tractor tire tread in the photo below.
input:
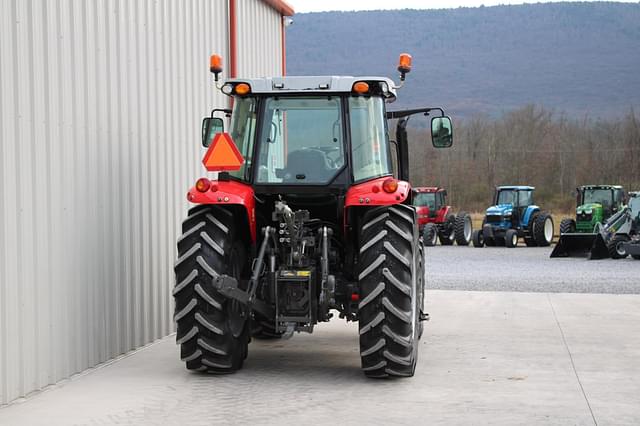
(461, 219)
(388, 332)
(203, 333)
(567, 225)
(612, 246)
(538, 229)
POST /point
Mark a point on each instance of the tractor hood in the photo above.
(500, 209)
(589, 208)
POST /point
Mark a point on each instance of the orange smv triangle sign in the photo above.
(223, 155)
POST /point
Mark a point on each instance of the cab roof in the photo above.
(517, 187)
(601, 187)
(313, 84)
(427, 189)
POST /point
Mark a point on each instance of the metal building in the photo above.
(100, 108)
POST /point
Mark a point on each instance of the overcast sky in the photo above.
(301, 6)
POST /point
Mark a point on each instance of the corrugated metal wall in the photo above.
(100, 108)
(259, 39)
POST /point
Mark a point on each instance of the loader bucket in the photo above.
(599, 249)
(574, 245)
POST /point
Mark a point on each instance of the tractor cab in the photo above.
(311, 141)
(597, 203)
(512, 205)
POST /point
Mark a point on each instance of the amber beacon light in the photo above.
(404, 65)
(215, 65)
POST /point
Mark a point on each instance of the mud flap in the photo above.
(599, 249)
(574, 245)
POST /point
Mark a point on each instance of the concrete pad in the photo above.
(603, 335)
(486, 358)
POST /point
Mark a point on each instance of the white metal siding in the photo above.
(100, 108)
(259, 39)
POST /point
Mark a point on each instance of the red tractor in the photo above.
(304, 219)
(436, 221)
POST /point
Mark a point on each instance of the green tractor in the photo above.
(595, 205)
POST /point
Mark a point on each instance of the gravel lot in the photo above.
(527, 269)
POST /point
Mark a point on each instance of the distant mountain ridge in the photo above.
(576, 58)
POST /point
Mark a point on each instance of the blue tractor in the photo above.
(514, 216)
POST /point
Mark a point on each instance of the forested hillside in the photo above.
(570, 57)
(540, 94)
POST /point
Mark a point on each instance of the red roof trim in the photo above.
(281, 6)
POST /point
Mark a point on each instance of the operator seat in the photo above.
(310, 163)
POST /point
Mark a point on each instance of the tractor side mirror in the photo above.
(211, 126)
(441, 132)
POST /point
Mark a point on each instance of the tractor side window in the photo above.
(526, 198)
(369, 145)
(425, 199)
(243, 128)
(301, 141)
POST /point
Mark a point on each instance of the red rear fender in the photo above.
(228, 193)
(370, 193)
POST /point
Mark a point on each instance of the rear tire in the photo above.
(212, 335)
(511, 238)
(430, 235)
(478, 238)
(543, 229)
(448, 235)
(616, 247)
(463, 229)
(529, 238)
(390, 293)
(567, 226)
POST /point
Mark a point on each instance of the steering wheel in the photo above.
(327, 150)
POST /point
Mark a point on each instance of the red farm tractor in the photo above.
(305, 218)
(436, 220)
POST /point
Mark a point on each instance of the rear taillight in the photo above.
(390, 185)
(203, 185)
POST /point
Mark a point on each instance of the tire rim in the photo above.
(548, 230)
(620, 249)
(452, 236)
(434, 238)
(514, 240)
(467, 228)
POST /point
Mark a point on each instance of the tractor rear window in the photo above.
(302, 141)
(425, 199)
(370, 148)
